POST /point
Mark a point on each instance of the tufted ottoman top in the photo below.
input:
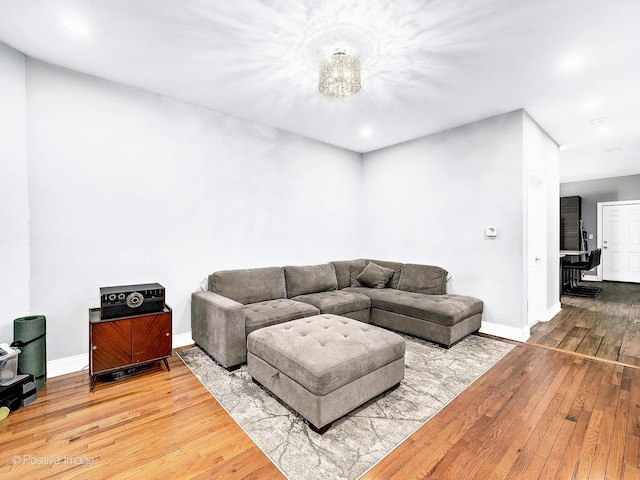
(325, 352)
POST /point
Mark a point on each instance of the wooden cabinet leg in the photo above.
(166, 364)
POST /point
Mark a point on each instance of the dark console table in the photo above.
(122, 343)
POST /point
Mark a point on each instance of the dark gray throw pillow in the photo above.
(375, 276)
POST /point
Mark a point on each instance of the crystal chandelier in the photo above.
(340, 76)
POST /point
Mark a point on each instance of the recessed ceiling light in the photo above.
(366, 131)
(75, 25)
(614, 149)
(598, 121)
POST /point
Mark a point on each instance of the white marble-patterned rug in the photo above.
(433, 377)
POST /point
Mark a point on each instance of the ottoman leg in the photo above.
(319, 431)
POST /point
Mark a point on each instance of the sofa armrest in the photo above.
(217, 326)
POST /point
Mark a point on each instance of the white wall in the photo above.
(131, 187)
(14, 199)
(430, 200)
(128, 187)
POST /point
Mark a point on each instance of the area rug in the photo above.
(433, 377)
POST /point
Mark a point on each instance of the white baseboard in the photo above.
(548, 315)
(63, 366)
(505, 331)
(552, 312)
(181, 340)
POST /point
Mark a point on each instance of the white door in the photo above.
(621, 242)
(537, 254)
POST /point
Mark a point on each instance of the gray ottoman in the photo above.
(325, 366)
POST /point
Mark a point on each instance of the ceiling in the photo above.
(428, 65)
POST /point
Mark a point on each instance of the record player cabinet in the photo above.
(120, 343)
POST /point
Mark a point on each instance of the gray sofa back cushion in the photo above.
(356, 269)
(343, 271)
(423, 279)
(310, 279)
(250, 285)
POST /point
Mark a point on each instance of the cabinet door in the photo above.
(151, 337)
(110, 345)
(570, 216)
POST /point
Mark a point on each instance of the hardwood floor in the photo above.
(156, 425)
(607, 326)
(537, 414)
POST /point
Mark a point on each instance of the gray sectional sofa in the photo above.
(408, 298)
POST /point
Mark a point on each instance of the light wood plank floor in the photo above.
(607, 326)
(537, 414)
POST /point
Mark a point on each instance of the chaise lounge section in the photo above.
(408, 298)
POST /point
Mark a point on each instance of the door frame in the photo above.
(536, 304)
(599, 242)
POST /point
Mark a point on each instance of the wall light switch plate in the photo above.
(491, 232)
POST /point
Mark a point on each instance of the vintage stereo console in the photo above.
(127, 300)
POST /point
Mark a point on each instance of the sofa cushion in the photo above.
(445, 310)
(310, 279)
(395, 266)
(423, 279)
(356, 269)
(343, 272)
(337, 302)
(249, 285)
(375, 276)
(272, 312)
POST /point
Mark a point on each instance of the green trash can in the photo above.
(29, 335)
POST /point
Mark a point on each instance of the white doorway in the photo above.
(619, 239)
(537, 249)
